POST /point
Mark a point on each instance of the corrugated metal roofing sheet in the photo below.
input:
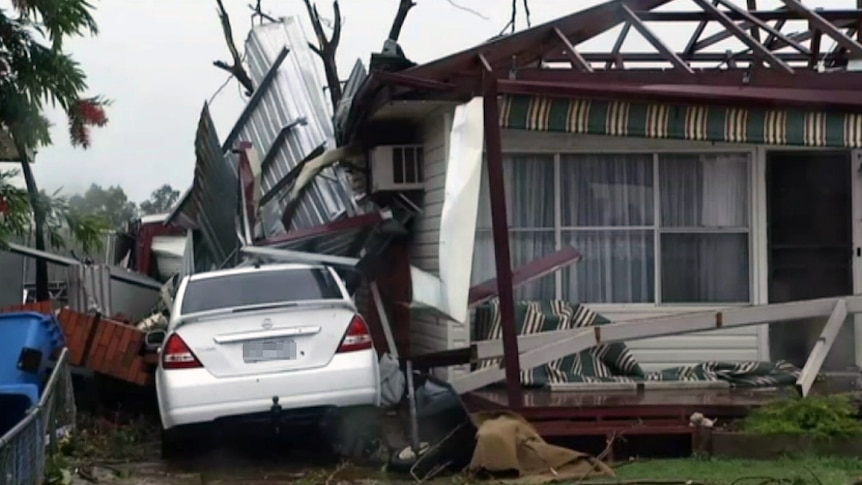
(357, 76)
(289, 121)
(215, 194)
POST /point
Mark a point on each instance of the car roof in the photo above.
(254, 269)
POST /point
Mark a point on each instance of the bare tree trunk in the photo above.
(327, 47)
(42, 293)
(235, 67)
(397, 23)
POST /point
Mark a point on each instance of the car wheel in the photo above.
(354, 433)
(175, 444)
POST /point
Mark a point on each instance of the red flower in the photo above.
(83, 114)
(4, 205)
(91, 112)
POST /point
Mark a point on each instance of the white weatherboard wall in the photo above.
(430, 332)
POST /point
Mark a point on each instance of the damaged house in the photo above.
(690, 177)
(661, 181)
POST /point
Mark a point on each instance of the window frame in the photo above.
(751, 231)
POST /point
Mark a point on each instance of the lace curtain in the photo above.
(697, 237)
(530, 199)
(705, 226)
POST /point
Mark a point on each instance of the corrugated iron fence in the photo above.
(24, 448)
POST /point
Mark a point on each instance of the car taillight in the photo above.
(177, 355)
(357, 336)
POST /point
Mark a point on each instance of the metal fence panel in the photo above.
(24, 448)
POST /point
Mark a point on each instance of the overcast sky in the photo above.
(154, 60)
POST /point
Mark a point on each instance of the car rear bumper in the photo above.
(195, 396)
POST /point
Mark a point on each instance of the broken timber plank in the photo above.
(528, 360)
(821, 348)
(648, 328)
(535, 269)
(684, 323)
(636, 386)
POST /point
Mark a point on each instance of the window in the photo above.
(653, 228)
(259, 288)
(704, 228)
(531, 220)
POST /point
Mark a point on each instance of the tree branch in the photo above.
(236, 69)
(258, 12)
(315, 24)
(336, 29)
(327, 47)
(315, 49)
(398, 22)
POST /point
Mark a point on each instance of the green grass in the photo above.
(788, 471)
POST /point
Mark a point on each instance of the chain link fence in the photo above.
(24, 448)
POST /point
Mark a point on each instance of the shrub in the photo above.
(818, 417)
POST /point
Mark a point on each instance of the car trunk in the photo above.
(267, 341)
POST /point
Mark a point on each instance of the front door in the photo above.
(810, 246)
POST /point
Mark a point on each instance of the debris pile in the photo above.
(102, 345)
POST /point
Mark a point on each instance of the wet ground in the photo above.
(294, 458)
(159, 473)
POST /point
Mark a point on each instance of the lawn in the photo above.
(796, 471)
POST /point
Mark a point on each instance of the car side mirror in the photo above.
(155, 338)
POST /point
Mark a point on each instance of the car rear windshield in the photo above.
(259, 288)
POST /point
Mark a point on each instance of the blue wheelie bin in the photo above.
(27, 342)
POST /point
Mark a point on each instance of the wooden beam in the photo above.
(637, 386)
(821, 348)
(853, 47)
(653, 57)
(752, 7)
(679, 324)
(767, 15)
(763, 25)
(575, 58)
(618, 45)
(546, 348)
(815, 49)
(779, 24)
(698, 32)
(749, 41)
(670, 55)
(500, 231)
(525, 273)
(540, 355)
(859, 23)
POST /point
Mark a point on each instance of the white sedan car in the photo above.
(265, 343)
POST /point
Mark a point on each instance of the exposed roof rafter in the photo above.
(829, 29)
(698, 32)
(618, 45)
(755, 33)
(671, 56)
(745, 37)
(576, 58)
(552, 56)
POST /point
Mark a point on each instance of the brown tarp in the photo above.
(507, 444)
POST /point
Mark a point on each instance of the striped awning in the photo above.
(682, 122)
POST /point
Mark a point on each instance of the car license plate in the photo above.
(268, 350)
